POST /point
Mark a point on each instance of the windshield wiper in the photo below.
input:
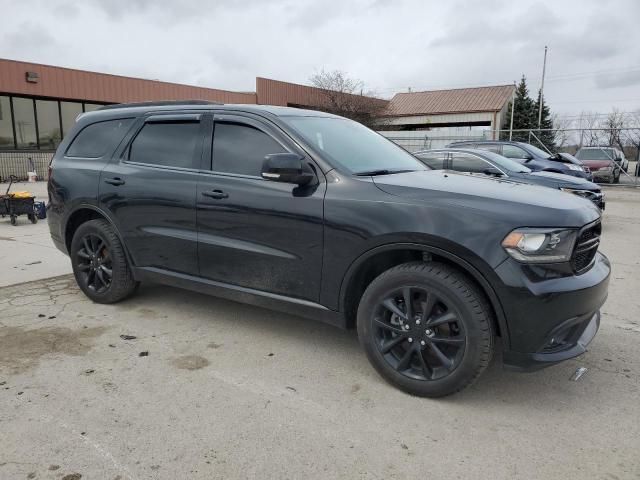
(373, 173)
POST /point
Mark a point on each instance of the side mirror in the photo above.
(493, 171)
(287, 168)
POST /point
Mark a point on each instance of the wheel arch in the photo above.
(373, 262)
(84, 213)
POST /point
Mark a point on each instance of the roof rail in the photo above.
(163, 103)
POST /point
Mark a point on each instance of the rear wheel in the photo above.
(425, 328)
(99, 263)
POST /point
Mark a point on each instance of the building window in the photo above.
(25, 122)
(6, 125)
(69, 112)
(48, 124)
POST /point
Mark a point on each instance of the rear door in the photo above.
(149, 188)
(253, 232)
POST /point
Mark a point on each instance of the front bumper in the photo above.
(551, 316)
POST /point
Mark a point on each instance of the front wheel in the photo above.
(425, 328)
(99, 263)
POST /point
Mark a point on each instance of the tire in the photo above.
(14, 220)
(33, 218)
(617, 178)
(95, 251)
(442, 292)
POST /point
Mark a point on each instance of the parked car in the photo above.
(568, 158)
(528, 155)
(605, 162)
(317, 215)
(483, 162)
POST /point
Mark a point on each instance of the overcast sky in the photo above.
(593, 63)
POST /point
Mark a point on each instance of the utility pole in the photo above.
(544, 68)
(513, 102)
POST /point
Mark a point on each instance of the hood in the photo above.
(560, 180)
(595, 164)
(526, 205)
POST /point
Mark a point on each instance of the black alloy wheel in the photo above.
(95, 263)
(426, 327)
(418, 333)
(100, 264)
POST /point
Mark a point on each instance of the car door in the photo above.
(255, 233)
(149, 189)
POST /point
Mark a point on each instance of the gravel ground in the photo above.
(214, 389)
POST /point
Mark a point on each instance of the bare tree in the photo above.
(614, 124)
(633, 131)
(589, 123)
(560, 132)
(345, 96)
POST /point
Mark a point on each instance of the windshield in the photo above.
(505, 163)
(353, 146)
(595, 154)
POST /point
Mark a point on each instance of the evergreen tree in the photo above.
(546, 137)
(523, 113)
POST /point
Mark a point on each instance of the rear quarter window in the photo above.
(97, 139)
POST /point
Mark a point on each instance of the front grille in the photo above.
(586, 247)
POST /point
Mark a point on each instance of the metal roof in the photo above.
(460, 100)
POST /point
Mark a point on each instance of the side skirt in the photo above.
(272, 301)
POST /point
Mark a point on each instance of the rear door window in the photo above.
(490, 147)
(98, 139)
(168, 144)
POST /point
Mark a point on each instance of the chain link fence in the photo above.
(567, 140)
(20, 163)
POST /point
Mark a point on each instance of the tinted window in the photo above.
(171, 144)
(434, 160)
(241, 149)
(488, 147)
(25, 123)
(463, 162)
(6, 128)
(69, 111)
(48, 124)
(98, 138)
(511, 151)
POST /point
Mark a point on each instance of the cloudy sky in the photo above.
(593, 63)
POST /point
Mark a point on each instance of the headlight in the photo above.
(540, 245)
(588, 194)
(571, 166)
(607, 169)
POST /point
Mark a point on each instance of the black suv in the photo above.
(317, 215)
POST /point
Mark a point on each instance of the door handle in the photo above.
(114, 181)
(217, 194)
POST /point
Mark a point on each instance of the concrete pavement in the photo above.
(231, 391)
(26, 251)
